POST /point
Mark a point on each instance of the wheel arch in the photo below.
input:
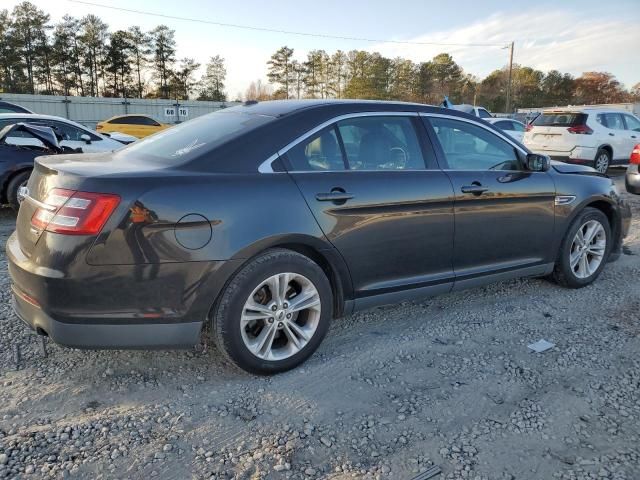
(9, 178)
(319, 251)
(606, 206)
(608, 148)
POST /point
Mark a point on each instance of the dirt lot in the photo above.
(391, 392)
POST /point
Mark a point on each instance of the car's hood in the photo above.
(45, 134)
(562, 167)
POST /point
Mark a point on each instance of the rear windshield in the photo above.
(563, 119)
(187, 141)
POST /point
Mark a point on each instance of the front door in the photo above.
(504, 215)
(373, 187)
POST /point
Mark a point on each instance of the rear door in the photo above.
(504, 215)
(617, 135)
(375, 190)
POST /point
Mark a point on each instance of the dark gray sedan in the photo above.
(267, 220)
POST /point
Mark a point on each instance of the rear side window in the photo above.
(613, 121)
(320, 152)
(190, 139)
(482, 113)
(369, 143)
(563, 119)
(381, 143)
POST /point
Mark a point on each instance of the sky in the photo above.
(570, 36)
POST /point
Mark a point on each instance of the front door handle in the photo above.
(476, 189)
(334, 196)
(612, 134)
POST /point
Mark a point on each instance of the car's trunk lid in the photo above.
(99, 173)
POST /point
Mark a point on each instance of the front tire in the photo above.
(274, 313)
(584, 249)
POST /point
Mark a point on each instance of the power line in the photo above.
(285, 32)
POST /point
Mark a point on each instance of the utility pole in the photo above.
(510, 72)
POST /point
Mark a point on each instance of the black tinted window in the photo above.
(482, 113)
(564, 119)
(470, 147)
(190, 139)
(381, 143)
(319, 152)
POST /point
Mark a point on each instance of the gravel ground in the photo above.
(391, 392)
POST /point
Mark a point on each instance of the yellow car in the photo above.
(136, 125)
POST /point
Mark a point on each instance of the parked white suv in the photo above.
(592, 136)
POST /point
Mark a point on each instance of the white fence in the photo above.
(91, 110)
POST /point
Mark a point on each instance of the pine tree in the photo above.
(212, 82)
(281, 71)
(164, 55)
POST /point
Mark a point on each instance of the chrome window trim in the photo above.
(266, 166)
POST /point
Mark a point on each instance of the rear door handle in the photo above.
(475, 189)
(335, 196)
(612, 134)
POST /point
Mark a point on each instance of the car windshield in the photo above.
(188, 140)
(561, 119)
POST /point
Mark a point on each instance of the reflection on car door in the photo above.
(388, 213)
(504, 215)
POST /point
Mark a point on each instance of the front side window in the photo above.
(381, 143)
(632, 123)
(470, 147)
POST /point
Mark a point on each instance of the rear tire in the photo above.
(264, 332)
(584, 249)
(12, 189)
(602, 160)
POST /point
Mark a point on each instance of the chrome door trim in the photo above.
(266, 166)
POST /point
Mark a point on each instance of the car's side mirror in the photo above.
(537, 163)
(86, 138)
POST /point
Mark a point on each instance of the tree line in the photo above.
(369, 75)
(81, 56)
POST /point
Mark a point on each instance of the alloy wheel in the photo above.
(602, 163)
(588, 249)
(280, 316)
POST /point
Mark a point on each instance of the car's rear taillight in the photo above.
(528, 128)
(635, 155)
(580, 130)
(74, 213)
(98, 127)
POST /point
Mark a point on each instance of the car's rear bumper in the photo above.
(116, 306)
(95, 335)
(578, 155)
